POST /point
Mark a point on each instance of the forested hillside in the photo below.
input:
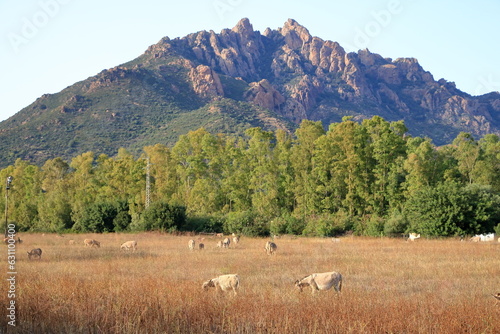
(368, 177)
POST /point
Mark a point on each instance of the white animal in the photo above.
(91, 243)
(413, 236)
(128, 245)
(226, 243)
(270, 248)
(236, 239)
(487, 237)
(36, 252)
(223, 282)
(220, 244)
(191, 244)
(321, 281)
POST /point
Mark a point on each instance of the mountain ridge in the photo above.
(236, 79)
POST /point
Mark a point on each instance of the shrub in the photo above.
(395, 224)
(375, 226)
(161, 216)
(246, 223)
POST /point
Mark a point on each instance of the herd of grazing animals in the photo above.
(231, 282)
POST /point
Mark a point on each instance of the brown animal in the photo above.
(270, 248)
(18, 241)
(91, 243)
(201, 246)
(36, 252)
(129, 245)
(475, 239)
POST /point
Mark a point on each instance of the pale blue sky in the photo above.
(47, 45)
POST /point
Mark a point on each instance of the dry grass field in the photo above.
(390, 286)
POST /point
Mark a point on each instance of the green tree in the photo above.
(263, 177)
(54, 209)
(302, 154)
(452, 209)
(387, 145)
(161, 216)
(467, 154)
(487, 169)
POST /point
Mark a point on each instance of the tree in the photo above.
(162, 216)
(387, 145)
(302, 154)
(451, 209)
(467, 154)
(263, 177)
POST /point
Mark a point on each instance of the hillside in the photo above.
(233, 80)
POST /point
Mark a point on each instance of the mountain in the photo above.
(236, 79)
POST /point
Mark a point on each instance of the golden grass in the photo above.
(390, 286)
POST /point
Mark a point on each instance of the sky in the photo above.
(47, 45)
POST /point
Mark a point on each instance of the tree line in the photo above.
(368, 177)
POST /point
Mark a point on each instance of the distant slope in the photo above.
(234, 80)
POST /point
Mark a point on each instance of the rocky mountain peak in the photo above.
(244, 28)
(295, 34)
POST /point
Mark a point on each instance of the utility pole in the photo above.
(148, 184)
(7, 187)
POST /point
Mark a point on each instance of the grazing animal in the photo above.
(35, 252)
(226, 243)
(91, 243)
(201, 246)
(219, 235)
(322, 281)
(191, 244)
(475, 239)
(270, 248)
(18, 241)
(220, 244)
(223, 282)
(413, 236)
(132, 244)
(487, 237)
(71, 242)
(236, 239)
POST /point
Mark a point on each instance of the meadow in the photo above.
(389, 286)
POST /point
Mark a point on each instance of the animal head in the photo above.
(299, 285)
(208, 284)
